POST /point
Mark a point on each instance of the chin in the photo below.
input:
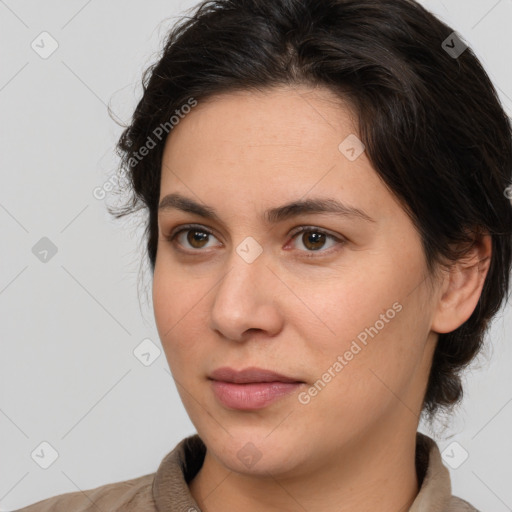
(251, 452)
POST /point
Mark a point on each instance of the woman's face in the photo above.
(343, 308)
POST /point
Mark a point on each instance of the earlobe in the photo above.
(462, 286)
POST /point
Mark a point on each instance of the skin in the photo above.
(352, 447)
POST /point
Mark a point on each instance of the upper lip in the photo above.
(248, 375)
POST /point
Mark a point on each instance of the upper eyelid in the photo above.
(185, 227)
(294, 232)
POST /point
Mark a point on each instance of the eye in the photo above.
(196, 236)
(314, 239)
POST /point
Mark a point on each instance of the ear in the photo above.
(462, 285)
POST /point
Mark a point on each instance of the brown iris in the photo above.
(196, 236)
(316, 239)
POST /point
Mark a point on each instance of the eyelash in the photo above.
(294, 234)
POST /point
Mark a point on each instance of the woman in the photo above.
(330, 235)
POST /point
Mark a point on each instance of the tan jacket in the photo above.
(167, 489)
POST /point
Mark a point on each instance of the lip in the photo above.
(251, 388)
(249, 375)
(253, 396)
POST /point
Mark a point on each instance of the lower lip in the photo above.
(251, 396)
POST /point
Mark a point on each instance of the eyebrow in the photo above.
(176, 201)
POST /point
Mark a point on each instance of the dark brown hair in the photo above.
(431, 121)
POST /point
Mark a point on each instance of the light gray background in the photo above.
(68, 329)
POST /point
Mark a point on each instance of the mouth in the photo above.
(251, 388)
(250, 375)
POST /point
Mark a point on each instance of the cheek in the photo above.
(378, 373)
(178, 314)
(373, 336)
(347, 310)
(369, 381)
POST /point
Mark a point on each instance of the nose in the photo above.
(245, 300)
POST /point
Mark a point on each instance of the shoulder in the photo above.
(166, 489)
(459, 505)
(134, 494)
(435, 493)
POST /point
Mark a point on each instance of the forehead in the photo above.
(277, 114)
(269, 148)
(293, 133)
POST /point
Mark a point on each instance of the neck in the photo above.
(377, 472)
